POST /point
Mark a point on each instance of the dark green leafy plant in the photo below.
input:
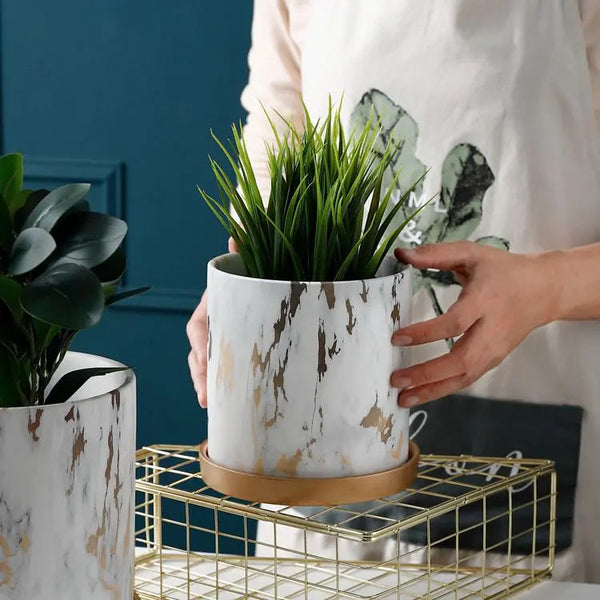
(60, 265)
(327, 217)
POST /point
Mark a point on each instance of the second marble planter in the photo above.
(299, 373)
(67, 492)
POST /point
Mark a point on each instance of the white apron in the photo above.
(494, 99)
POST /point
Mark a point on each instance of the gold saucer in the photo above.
(305, 491)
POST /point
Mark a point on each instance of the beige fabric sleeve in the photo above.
(275, 81)
(590, 18)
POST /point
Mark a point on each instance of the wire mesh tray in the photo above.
(467, 528)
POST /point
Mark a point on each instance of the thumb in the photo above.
(231, 245)
(445, 257)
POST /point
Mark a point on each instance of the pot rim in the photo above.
(213, 264)
(108, 362)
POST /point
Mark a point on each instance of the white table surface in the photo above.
(555, 590)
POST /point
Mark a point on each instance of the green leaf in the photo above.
(112, 269)
(18, 201)
(126, 294)
(79, 207)
(88, 238)
(31, 248)
(56, 204)
(72, 381)
(66, 295)
(108, 290)
(32, 200)
(11, 179)
(10, 392)
(57, 346)
(387, 243)
(44, 333)
(12, 332)
(6, 233)
(10, 294)
(321, 180)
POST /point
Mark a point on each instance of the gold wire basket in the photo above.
(468, 528)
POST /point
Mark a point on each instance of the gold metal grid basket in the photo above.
(468, 528)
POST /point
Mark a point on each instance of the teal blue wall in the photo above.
(123, 93)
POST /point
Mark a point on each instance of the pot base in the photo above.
(309, 491)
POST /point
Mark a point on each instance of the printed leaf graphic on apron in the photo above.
(466, 176)
(398, 125)
(456, 212)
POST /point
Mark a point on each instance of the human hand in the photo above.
(197, 332)
(505, 296)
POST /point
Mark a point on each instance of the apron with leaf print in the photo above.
(491, 103)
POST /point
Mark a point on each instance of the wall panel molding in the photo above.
(107, 179)
(105, 176)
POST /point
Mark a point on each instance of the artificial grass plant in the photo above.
(327, 217)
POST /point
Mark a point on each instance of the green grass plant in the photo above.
(326, 218)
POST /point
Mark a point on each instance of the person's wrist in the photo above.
(552, 272)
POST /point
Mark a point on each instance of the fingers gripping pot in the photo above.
(299, 373)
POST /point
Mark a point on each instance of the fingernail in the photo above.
(401, 340)
(410, 401)
(408, 252)
(402, 382)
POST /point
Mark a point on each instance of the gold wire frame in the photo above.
(192, 542)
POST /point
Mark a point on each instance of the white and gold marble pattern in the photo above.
(67, 492)
(299, 373)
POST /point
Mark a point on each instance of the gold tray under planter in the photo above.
(308, 491)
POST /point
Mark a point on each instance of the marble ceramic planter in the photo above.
(67, 492)
(299, 373)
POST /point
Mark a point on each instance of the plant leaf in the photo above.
(6, 233)
(66, 295)
(111, 271)
(31, 248)
(320, 181)
(44, 333)
(12, 333)
(32, 200)
(69, 383)
(10, 294)
(57, 346)
(47, 213)
(387, 243)
(88, 238)
(10, 392)
(126, 294)
(11, 179)
(78, 207)
(18, 201)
